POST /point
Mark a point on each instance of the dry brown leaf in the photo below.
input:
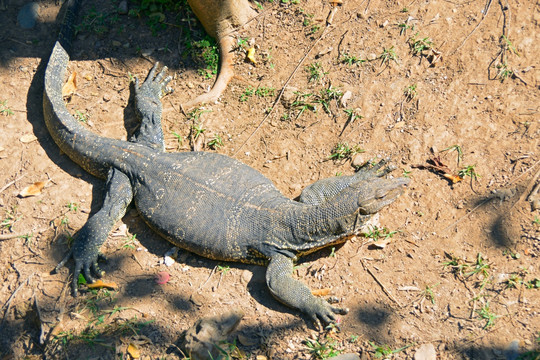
(320, 292)
(28, 138)
(133, 351)
(33, 190)
(98, 284)
(453, 178)
(251, 55)
(336, 2)
(70, 86)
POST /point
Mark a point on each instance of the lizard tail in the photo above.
(67, 32)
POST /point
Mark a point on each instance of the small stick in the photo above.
(11, 183)
(485, 12)
(7, 305)
(381, 285)
(325, 32)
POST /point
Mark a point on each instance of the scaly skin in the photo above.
(207, 203)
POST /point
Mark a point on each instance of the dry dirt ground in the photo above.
(461, 271)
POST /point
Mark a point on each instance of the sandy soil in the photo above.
(461, 270)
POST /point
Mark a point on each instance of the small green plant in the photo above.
(315, 72)
(352, 115)
(353, 339)
(223, 269)
(4, 109)
(73, 207)
(410, 92)
(536, 221)
(130, 242)
(265, 91)
(418, 46)
(384, 351)
(388, 55)
(196, 114)
(198, 130)
(301, 103)
(428, 293)
(469, 171)
(205, 52)
(486, 314)
(403, 27)
(351, 60)
(507, 45)
(406, 173)
(458, 150)
(178, 137)
(504, 72)
(11, 217)
(327, 95)
(322, 349)
(216, 142)
(81, 116)
(343, 151)
(377, 234)
(248, 92)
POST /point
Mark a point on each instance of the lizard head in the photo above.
(376, 193)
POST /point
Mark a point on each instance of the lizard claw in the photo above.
(321, 310)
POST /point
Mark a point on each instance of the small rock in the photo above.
(116, 43)
(198, 341)
(346, 97)
(372, 57)
(288, 96)
(123, 7)
(425, 352)
(358, 160)
(349, 356)
(28, 15)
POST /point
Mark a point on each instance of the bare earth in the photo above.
(462, 271)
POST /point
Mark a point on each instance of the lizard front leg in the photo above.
(296, 294)
(92, 235)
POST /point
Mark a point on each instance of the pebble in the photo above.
(28, 15)
(358, 160)
(123, 7)
(425, 352)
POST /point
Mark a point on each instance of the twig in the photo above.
(7, 305)
(485, 12)
(381, 284)
(4, 237)
(325, 32)
(11, 183)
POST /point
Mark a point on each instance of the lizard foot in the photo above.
(320, 310)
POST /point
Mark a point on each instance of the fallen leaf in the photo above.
(162, 277)
(133, 351)
(251, 55)
(70, 86)
(98, 284)
(320, 292)
(28, 138)
(33, 190)
(336, 2)
(453, 178)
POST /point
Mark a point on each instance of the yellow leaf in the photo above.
(133, 351)
(70, 86)
(251, 55)
(320, 292)
(98, 284)
(33, 190)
